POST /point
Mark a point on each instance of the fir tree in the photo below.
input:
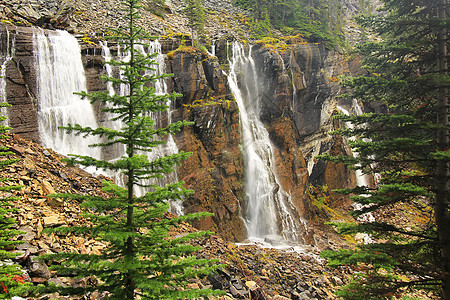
(402, 147)
(139, 259)
(11, 277)
(196, 14)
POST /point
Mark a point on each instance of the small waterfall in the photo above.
(170, 147)
(213, 48)
(7, 53)
(60, 73)
(106, 53)
(361, 178)
(294, 89)
(269, 212)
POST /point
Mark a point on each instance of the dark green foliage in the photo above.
(318, 20)
(196, 14)
(11, 279)
(398, 145)
(139, 259)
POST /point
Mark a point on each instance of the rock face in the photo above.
(299, 92)
(20, 79)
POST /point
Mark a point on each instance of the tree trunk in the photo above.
(442, 168)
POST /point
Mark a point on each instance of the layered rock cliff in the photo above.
(298, 92)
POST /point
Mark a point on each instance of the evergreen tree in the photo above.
(11, 279)
(401, 146)
(196, 14)
(139, 259)
(318, 20)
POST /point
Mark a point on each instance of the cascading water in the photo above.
(7, 52)
(294, 89)
(213, 48)
(361, 178)
(170, 147)
(60, 73)
(269, 212)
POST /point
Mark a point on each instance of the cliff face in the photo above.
(298, 98)
(20, 79)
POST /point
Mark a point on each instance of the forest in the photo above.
(388, 120)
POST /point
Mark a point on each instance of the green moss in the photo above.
(184, 49)
(322, 199)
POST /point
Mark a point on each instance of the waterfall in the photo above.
(361, 178)
(269, 212)
(294, 89)
(60, 73)
(106, 53)
(170, 147)
(213, 48)
(7, 52)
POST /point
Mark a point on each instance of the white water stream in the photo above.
(7, 53)
(269, 210)
(60, 73)
(170, 147)
(361, 178)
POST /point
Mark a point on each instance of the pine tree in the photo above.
(196, 14)
(11, 277)
(400, 146)
(139, 259)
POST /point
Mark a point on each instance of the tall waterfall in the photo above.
(7, 52)
(269, 210)
(60, 73)
(170, 147)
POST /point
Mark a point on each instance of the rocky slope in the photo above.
(94, 17)
(251, 272)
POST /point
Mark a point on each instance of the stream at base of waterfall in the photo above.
(269, 212)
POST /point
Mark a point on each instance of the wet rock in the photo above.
(218, 282)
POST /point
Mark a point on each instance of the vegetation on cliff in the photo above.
(406, 148)
(318, 20)
(139, 259)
